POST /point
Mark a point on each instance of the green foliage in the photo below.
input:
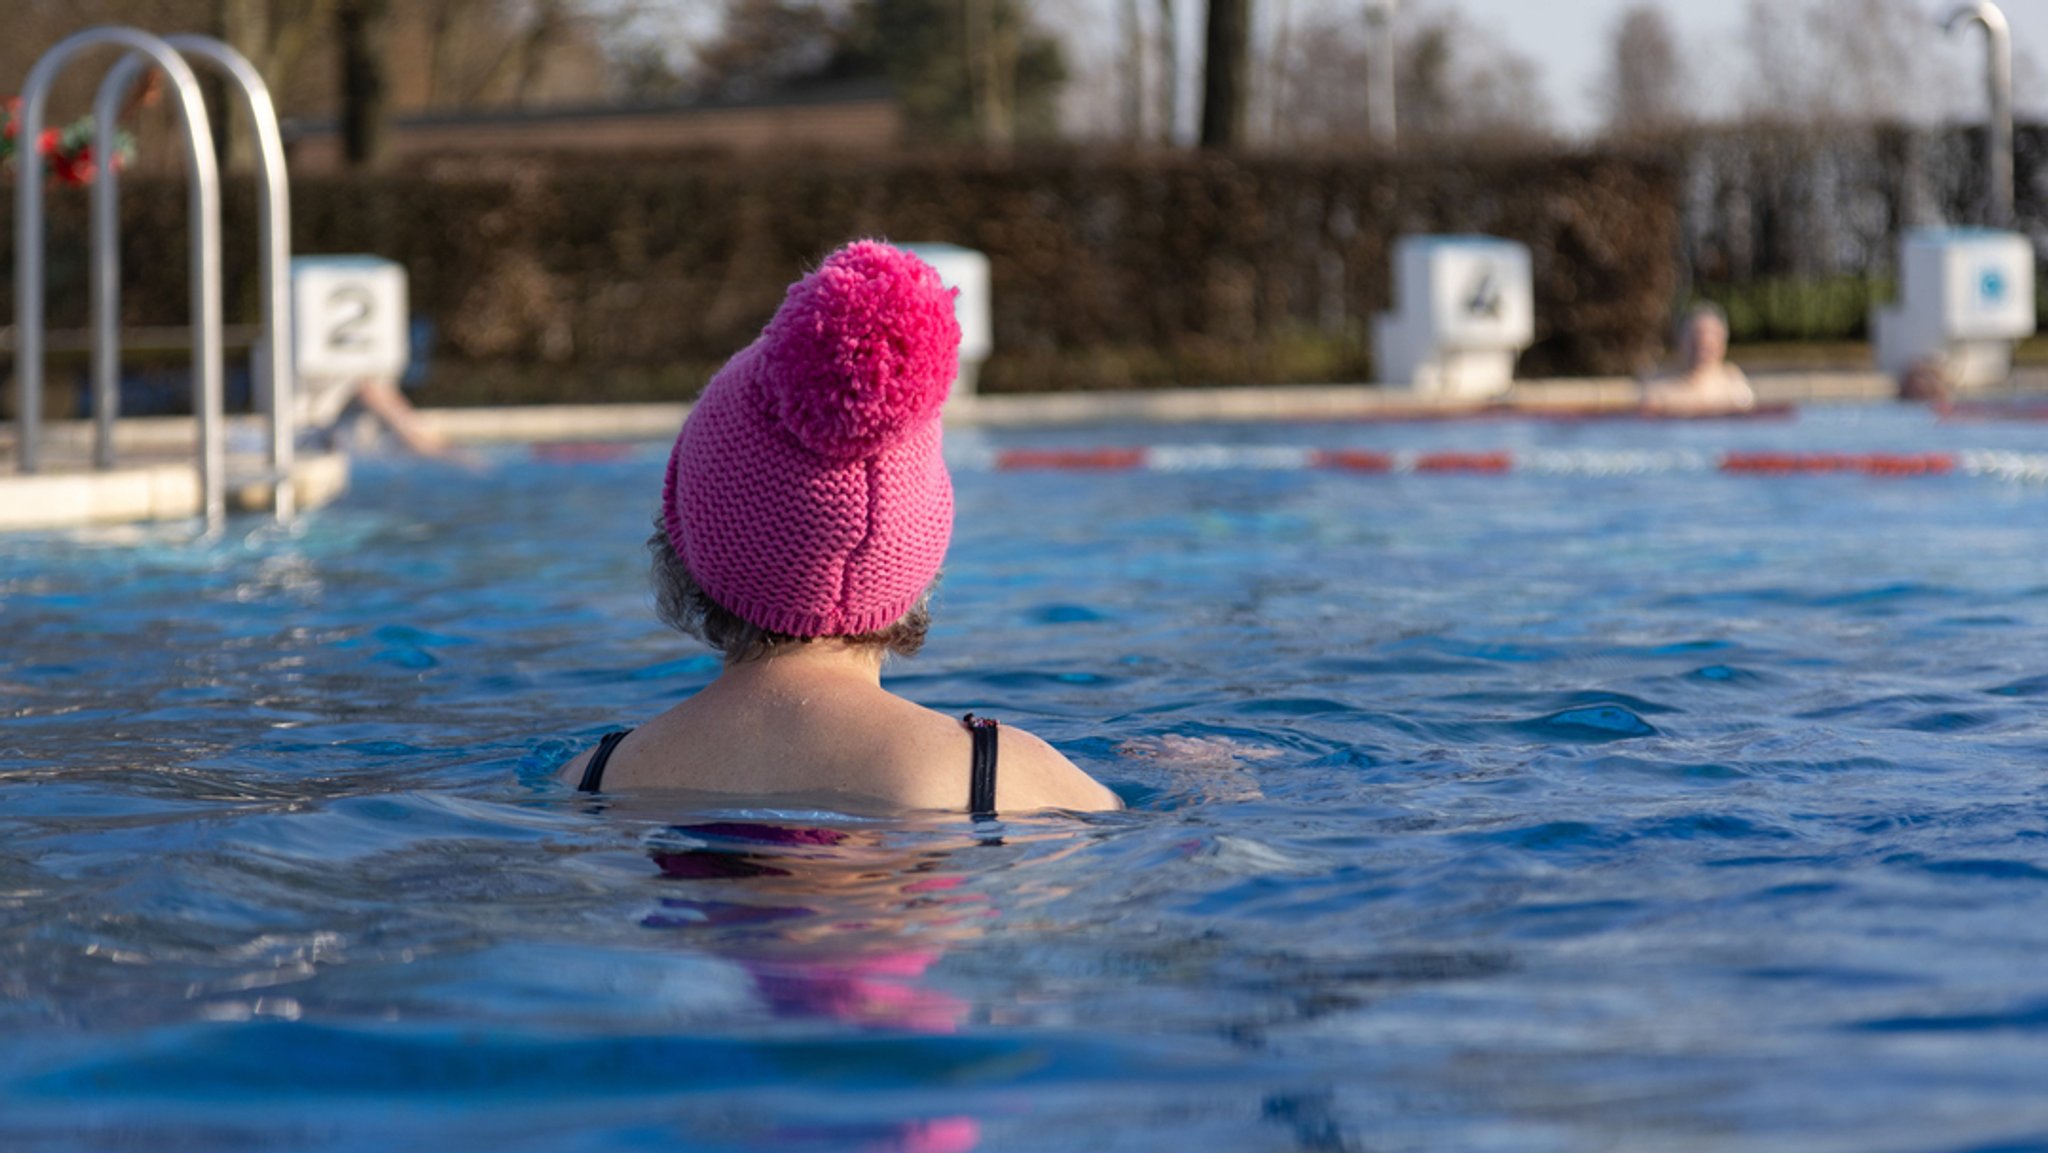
(1793, 309)
(956, 83)
(922, 46)
(1782, 309)
(764, 44)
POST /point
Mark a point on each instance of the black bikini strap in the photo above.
(981, 794)
(593, 772)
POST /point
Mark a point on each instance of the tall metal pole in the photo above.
(1380, 110)
(1998, 77)
(273, 210)
(204, 184)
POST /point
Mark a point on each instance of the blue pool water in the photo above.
(1661, 810)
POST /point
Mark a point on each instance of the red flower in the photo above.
(74, 169)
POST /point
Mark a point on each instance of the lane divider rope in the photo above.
(2020, 467)
(2013, 466)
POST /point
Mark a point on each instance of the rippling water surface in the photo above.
(1663, 811)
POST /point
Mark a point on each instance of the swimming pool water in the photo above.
(1527, 812)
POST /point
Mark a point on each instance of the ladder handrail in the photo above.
(273, 208)
(203, 179)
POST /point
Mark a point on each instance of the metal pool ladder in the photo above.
(203, 197)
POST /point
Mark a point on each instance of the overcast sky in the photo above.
(1567, 38)
(1570, 38)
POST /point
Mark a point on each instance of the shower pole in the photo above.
(1380, 80)
(1998, 75)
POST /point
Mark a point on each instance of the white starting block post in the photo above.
(1966, 296)
(966, 270)
(349, 324)
(1466, 307)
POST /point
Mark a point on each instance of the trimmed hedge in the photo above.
(1109, 270)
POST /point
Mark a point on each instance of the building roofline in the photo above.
(816, 94)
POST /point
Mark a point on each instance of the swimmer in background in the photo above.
(1926, 382)
(1704, 382)
(805, 514)
(329, 413)
(349, 414)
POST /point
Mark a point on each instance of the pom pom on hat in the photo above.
(861, 350)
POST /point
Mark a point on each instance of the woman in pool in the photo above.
(1704, 382)
(805, 515)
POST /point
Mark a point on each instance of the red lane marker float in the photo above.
(1869, 464)
(1073, 459)
(1484, 462)
(580, 451)
(1910, 464)
(1351, 460)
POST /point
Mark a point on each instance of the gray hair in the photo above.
(683, 605)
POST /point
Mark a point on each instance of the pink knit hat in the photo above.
(806, 493)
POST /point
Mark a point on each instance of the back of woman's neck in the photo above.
(827, 659)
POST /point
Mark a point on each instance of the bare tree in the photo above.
(763, 43)
(274, 34)
(1643, 91)
(444, 19)
(526, 40)
(1842, 61)
(363, 30)
(1275, 78)
(1226, 73)
(1429, 94)
(1169, 71)
(1133, 86)
(1459, 83)
(990, 44)
(1456, 82)
(1876, 68)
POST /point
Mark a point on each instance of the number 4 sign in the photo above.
(348, 318)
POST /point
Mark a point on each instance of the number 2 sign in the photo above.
(348, 318)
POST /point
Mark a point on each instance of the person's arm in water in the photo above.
(382, 400)
(1736, 387)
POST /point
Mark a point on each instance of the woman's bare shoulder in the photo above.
(572, 772)
(889, 748)
(1031, 774)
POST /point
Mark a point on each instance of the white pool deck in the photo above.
(1189, 405)
(158, 480)
(147, 483)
